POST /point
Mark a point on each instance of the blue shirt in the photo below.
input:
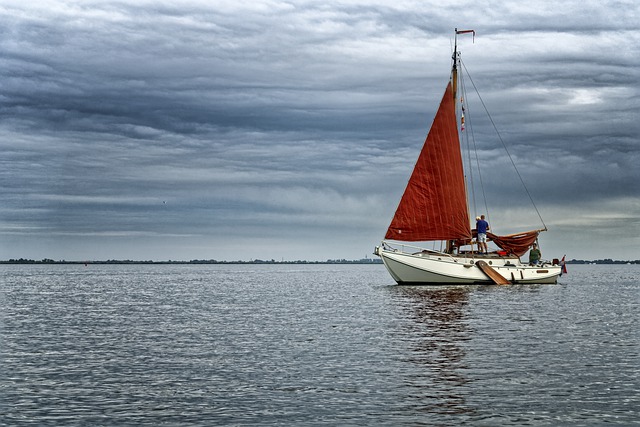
(482, 226)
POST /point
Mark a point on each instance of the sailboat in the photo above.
(434, 209)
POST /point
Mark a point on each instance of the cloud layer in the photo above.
(153, 130)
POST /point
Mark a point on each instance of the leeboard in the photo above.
(492, 274)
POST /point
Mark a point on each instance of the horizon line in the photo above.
(365, 260)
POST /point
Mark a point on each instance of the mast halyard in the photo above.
(450, 244)
(454, 65)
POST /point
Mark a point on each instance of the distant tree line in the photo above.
(602, 261)
(194, 261)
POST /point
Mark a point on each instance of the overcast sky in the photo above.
(287, 130)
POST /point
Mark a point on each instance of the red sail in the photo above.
(434, 205)
(517, 244)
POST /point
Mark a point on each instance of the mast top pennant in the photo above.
(467, 31)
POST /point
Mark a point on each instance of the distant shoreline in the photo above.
(259, 261)
(193, 262)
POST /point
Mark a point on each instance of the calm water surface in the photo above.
(313, 345)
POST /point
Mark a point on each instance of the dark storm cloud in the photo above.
(295, 125)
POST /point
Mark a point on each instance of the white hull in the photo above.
(433, 268)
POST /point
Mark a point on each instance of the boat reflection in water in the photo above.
(436, 337)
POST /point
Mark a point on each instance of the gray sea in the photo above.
(336, 345)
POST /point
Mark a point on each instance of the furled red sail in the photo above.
(434, 205)
(517, 244)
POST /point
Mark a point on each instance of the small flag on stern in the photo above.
(563, 264)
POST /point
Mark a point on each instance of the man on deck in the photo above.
(534, 255)
(482, 226)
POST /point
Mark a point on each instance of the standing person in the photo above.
(534, 255)
(482, 226)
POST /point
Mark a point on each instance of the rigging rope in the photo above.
(470, 160)
(503, 144)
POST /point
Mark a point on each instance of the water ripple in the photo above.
(313, 345)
